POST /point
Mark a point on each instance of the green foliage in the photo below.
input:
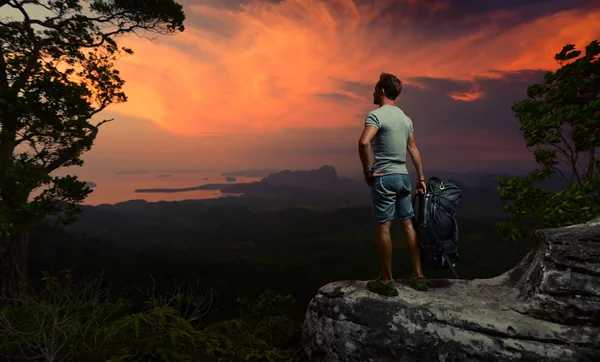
(560, 121)
(268, 304)
(261, 333)
(157, 333)
(165, 329)
(64, 320)
(73, 320)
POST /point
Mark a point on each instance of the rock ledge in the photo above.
(547, 308)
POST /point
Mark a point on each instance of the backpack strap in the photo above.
(451, 266)
(454, 272)
(414, 203)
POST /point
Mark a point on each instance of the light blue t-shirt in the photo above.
(390, 142)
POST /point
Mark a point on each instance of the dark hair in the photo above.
(390, 84)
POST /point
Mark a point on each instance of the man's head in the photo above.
(388, 88)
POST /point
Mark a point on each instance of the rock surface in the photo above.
(547, 308)
(560, 280)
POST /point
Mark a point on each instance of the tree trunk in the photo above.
(13, 267)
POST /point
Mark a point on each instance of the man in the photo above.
(391, 134)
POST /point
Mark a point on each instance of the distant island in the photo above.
(230, 179)
(185, 189)
(250, 173)
(167, 175)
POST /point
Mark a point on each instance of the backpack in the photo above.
(435, 223)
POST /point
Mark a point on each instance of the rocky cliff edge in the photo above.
(547, 308)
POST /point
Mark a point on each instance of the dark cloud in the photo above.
(212, 24)
(448, 128)
(492, 112)
(433, 18)
(358, 88)
(439, 18)
(527, 9)
(443, 86)
(454, 9)
(225, 4)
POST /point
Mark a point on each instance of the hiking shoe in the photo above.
(419, 283)
(380, 287)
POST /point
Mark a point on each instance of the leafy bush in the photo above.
(74, 320)
(560, 121)
(263, 332)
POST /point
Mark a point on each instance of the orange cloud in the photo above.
(263, 76)
(470, 96)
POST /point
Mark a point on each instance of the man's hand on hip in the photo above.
(370, 177)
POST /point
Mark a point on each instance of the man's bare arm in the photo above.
(364, 146)
(415, 155)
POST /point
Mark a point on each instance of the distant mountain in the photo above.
(323, 178)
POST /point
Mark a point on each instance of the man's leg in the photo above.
(384, 249)
(405, 212)
(413, 248)
(383, 209)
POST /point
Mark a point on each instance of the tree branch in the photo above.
(591, 164)
(35, 53)
(561, 173)
(3, 74)
(71, 153)
(570, 156)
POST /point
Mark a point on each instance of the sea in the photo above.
(115, 188)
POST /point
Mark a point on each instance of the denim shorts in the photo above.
(391, 197)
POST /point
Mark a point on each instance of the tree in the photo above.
(57, 72)
(560, 121)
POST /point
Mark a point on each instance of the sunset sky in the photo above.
(287, 84)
